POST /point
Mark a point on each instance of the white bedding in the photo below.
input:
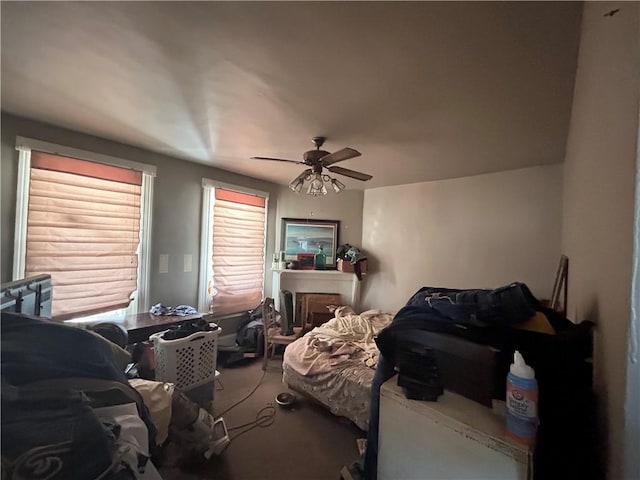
(338, 371)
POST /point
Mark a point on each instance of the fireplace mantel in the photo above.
(317, 281)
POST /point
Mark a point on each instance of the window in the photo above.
(85, 219)
(233, 248)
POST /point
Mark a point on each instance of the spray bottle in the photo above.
(522, 401)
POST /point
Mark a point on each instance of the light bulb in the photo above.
(337, 185)
(298, 182)
(296, 185)
(316, 185)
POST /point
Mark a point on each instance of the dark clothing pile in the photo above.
(186, 329)
(508, 305)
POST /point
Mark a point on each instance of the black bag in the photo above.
(249, 333)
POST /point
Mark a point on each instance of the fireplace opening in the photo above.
(311, 308)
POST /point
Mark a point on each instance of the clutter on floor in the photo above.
(285, 399)
(85, 406)
(72, 407)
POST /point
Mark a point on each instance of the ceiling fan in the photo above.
(318, 160)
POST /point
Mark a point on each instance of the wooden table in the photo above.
(141, 325)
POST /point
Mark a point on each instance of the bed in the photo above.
(335, 362)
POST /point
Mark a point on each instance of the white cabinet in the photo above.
(453, 438)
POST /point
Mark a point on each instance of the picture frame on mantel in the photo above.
(303, 235)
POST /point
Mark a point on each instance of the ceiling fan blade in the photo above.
(338, 156)
(278, 160)
(350, 173)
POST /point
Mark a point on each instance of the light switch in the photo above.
(164, 263)
(188, 262)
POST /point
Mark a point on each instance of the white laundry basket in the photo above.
(187, 362)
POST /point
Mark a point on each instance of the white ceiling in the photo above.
(425, 90)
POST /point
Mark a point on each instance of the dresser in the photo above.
(453, 438)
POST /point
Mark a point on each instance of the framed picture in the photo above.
(300, 235)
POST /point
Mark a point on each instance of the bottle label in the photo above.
(521, 402)
(522, 430)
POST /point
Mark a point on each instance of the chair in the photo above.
(271, 331)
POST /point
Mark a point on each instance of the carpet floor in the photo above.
(303, 442)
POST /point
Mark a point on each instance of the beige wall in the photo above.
(176, 210)
(474, 232)
(599, 189)
(345, 206)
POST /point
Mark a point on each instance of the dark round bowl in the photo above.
(285, 399)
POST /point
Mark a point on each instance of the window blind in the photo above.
(238, 251)
(83, 226)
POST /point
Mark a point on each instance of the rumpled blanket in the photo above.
(347, 337)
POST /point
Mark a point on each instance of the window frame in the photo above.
(24, 146)
(206, 241)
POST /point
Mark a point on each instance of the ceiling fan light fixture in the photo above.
(320, 160)
(296, 185)
(316, 185)
(337, 185)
